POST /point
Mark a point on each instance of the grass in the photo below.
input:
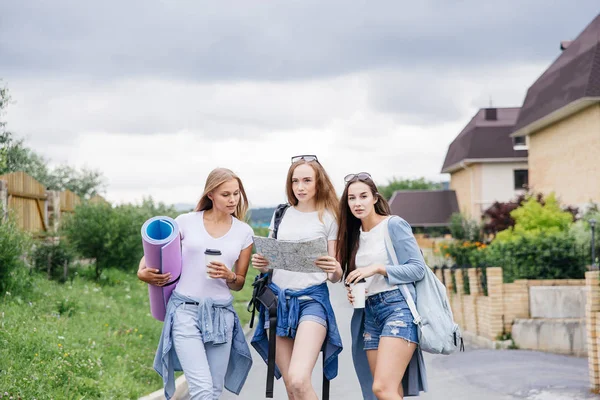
(83, 339)
(242, 297)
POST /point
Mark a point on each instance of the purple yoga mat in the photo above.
(162, 250)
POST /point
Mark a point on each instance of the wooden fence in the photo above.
(36, 209)
(26, 198)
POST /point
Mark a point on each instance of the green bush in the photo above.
(464, 229)
(111, 235)
(14, 243)
(465, 253)
(261, 231)
(582, 233)
(548, 255)
(533, 219)
(52, 258)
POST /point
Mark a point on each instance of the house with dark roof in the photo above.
(560, 121)
(425, 208)
(485, 164)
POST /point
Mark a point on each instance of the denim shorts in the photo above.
(310, 310)
(387, 314)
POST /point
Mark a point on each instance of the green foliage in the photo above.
(582, 233)
(79, 340)
(465, 253)
(541, 245)
(52, 257)
(547, 255)
(16, 156)
(534, 218)
(261, 231)
(111, 236)
(464, 229)
(85, 182)
(406, 184)
(13, 244)
(84, 340)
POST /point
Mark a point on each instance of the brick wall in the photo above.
(492, 315)
(592, 314)
(563, 158)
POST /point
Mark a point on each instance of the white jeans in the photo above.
(204, 364)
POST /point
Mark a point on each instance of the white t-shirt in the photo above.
(194, 282)
(297, 225)
(372, 250)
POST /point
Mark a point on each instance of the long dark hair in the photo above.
(349, 225)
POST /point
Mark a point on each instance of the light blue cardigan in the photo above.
(411, 269)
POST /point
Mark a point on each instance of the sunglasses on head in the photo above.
(361, 176)
(305, 157)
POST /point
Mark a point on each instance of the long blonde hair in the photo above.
(325, 197)
(216, 178)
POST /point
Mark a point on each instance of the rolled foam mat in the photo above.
(162, 250)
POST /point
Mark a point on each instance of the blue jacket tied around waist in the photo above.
(288, 312)
(412, 269)
(212, 320)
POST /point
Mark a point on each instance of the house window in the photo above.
(520, 143)
(521, 179)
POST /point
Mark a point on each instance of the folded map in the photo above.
(292, 255)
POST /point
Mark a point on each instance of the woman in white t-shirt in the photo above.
(305, 317)
(387, 360)
(201, 325)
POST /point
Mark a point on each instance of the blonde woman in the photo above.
(305, 319)
(202, 334)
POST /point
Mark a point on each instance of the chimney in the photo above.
(491, 114)
(564, 44)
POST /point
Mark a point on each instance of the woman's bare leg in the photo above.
(392, 358)
(307, 345)
(283, 355)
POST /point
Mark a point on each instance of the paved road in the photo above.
(474, 374)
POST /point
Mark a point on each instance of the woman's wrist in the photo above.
(232, 279)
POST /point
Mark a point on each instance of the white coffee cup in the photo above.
(209, 256)
(359, 292)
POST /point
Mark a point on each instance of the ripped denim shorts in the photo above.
(387, 314)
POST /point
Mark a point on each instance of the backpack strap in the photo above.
(279, 213)
(326, 382)
(403, 288)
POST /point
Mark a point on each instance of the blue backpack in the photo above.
(438, 333)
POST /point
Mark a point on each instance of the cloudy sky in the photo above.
(157, 93)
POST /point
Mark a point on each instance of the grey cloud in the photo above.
(202, 41)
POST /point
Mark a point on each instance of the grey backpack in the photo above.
(438, 333)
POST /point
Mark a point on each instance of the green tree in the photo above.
(464, 229)
(16, 156)
(407, 184)
(534, 218)
(88, 231)
(84, 182)
(111, 235)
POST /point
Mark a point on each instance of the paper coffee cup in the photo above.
(211, 255)
(358, 291)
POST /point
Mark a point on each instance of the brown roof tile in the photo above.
(423, 208)
(484, 139)
(574, 75)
